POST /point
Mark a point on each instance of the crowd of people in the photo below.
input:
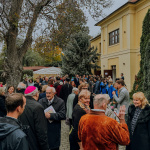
(98, 112)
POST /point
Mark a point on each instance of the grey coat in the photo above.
(54, 128)
(70, 105)
(123, 98)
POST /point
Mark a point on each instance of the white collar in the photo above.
(98, 110)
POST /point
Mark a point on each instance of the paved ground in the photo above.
(65, 137)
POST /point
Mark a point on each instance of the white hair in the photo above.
(21, 85)
(99, 100)
(75, 89)
(33, 93)
(61, 83)
(49, 88)
(107, 96)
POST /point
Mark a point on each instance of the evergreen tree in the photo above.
(70, 19)
(143, 78)
(78, 57)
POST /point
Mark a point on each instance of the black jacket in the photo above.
(76, 82)
(3, 111)
(65, 91)
(54, 128)
(140, 140)
(34, 117)
(11, 135)
(78, 112)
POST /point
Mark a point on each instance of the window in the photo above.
(114, 37)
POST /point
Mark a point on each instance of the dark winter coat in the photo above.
(65, 91)
(11, 135)
(20, 91)
(3, 111)
(58, 90)
(78, 112)
(56, 85)
(38, 86)
(54, 128)
(76, 81)
(34, 117)
(96, 87)
(140, 140)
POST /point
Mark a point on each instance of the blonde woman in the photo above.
(139, 123)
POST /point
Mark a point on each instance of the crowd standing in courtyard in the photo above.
(97, 110)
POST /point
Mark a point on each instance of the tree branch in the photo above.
(28, 41)
(2, 33)
(31, 3)
(4, 22)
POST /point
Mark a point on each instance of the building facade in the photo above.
(120, 41)
(96, 43)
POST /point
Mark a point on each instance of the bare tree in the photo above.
(21, 18)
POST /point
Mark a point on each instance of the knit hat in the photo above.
(30, 91)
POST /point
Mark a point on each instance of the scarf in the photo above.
(135, 119)
(84, 107)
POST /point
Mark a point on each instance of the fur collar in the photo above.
(144, 115)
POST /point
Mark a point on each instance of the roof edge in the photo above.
(95, 37)
(129, 2)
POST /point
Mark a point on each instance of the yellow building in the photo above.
(120, 40)
(96, 43)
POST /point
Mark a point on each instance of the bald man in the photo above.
(53, 119)
(108, 132)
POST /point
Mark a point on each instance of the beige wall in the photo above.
(97, 44)
(124, 33)
(111, 27)
(114, 61)
(126, 54)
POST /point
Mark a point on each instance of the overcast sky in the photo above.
(94, 30)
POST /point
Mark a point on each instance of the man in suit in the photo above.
(76, 80)
(53, 119)
(123, 98)
(65, 91)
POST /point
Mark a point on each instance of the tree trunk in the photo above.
(13, 70)
(14, 54)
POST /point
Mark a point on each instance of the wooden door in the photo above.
(107, 73)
